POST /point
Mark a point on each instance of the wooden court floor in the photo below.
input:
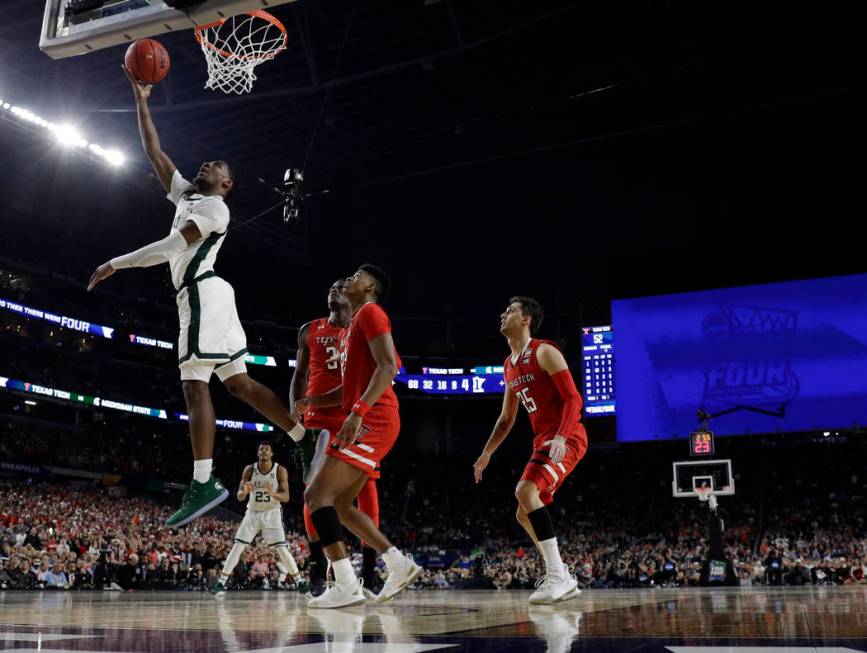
(751, 620)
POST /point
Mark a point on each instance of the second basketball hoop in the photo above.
(233, 47)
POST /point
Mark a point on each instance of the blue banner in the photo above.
(779, 357)
(59, 320)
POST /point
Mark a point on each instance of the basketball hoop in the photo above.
(704, 493)
(234, 46)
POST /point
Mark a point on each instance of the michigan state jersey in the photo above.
(259, 500)
(211, 216)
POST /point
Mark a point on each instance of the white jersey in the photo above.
(211, 216)
(258, 499)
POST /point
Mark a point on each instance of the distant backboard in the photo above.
(693, 474)
(73, 27)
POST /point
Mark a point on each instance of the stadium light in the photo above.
(66, 134)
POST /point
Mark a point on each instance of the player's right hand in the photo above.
(140, 90)
(104, 271)
(248, 487)
(480, 465)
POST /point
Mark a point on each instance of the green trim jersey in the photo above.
(211, 216)
(258, 499)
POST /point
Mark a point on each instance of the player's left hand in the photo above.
(104, 271)
(557, 451)
(267, 487)
(300, 407)
(349, 431)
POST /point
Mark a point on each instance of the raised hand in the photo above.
(142, 91)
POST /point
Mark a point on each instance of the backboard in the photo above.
(692, 474)
(73, 27)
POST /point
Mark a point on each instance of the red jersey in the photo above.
(535, 389)
(369, 322)
(323, 343)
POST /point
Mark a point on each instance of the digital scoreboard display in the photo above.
(597, 350)
(701, 443)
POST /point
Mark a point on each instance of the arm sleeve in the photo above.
(211, 216)
(373, 321)
(153, 254)
(179, 185)
(571, 401)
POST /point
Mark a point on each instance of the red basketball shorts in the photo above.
(376, 437)
(548, 475)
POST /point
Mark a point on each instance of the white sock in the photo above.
(297, 432)
(202, 469)
(343, 574)
(553, 562)
(287, 562)
(232, 558)
(393, 558)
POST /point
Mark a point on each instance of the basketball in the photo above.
(147, 60)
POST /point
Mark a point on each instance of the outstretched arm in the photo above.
(298, 387)
(162, 164)
(149, 255)
(504, 425)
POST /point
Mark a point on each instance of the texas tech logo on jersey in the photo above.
(527, 356)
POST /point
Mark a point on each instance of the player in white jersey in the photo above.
(212, 339)
(265, 485)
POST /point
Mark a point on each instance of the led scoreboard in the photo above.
(701, 443)
(597, 349)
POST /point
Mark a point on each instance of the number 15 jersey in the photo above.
(535, 389)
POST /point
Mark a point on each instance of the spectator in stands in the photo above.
(130, 575)
(6, 581)
(196, 578)
(56, 577)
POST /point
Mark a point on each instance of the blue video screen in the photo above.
(780, 357)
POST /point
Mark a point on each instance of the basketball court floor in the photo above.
(748, 620)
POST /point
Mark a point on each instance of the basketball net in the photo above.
(233, 47)
(704, 493)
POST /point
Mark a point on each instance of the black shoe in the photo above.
(317, 587)
(372, 584)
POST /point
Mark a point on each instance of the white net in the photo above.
(234, 47)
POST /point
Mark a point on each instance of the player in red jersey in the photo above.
(317, 371)
(536, 374)
(369, 362)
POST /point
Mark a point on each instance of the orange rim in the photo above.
(258, 13)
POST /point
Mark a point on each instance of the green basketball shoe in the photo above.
(198, 499)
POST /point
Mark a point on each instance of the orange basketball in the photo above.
(147, 60)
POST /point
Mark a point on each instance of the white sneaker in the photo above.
(551, 588)
(336, 596)
(569, 595)
(399, 579)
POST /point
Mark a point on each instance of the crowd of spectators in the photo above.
(65, 537)
(62, 536)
